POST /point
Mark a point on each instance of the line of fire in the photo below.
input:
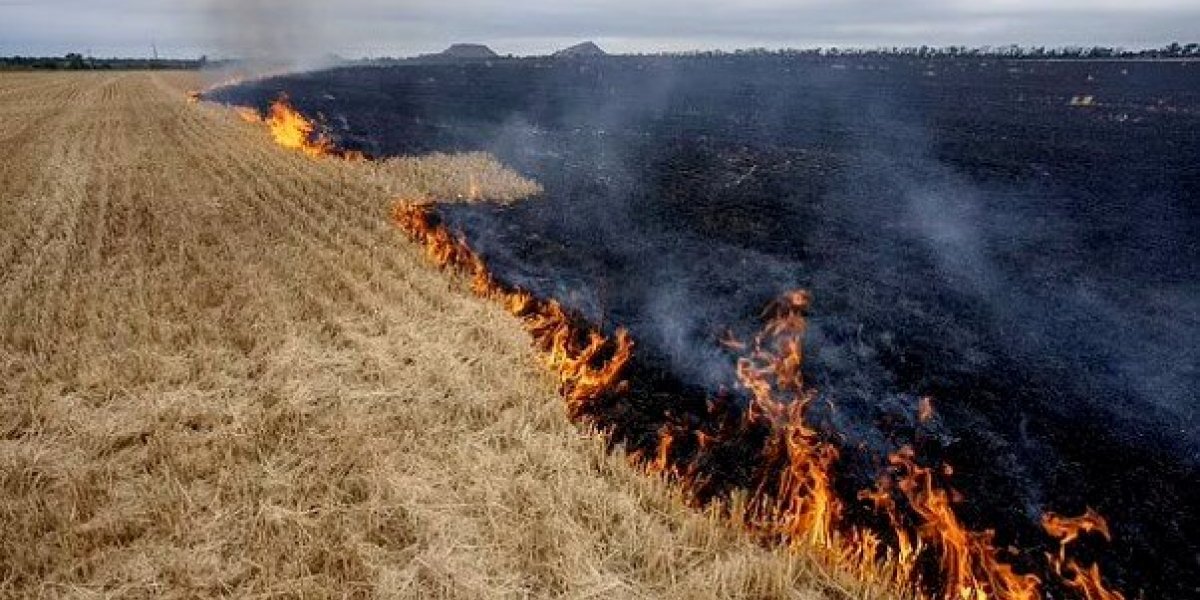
(753, 449)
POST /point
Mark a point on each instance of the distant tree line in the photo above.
(1175, 50)
(1013, 51)
(78, 62)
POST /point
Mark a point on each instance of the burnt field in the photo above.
(1018, 241)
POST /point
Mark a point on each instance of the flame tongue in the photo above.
(293, 131)
(588, 364)
(804, 508)
(1084, 580)
(969, 562)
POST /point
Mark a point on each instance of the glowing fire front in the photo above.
(792, 500)
(1084, 580)
(588, 364)
(292, 130)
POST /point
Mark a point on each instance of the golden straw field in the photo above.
(226, 373)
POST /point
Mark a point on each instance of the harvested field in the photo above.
(224, 372)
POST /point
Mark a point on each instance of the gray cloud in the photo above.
(379, 27)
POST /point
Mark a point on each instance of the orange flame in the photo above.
(795, 501)
(589, 366)
(970, 564)
(903, 560)
(662, 464)
(587, 363)
(1085, 580)
(1068, 529)
(293, 131)
(805, 508)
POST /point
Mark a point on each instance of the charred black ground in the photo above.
(1019, 240)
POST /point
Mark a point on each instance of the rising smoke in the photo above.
(272, 36)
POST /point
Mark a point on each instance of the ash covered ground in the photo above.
(1019, 240)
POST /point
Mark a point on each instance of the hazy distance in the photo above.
(368, 28)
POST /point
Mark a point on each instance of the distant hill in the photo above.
(468, 51)
(586, 49)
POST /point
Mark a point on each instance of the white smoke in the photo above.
(270, 36)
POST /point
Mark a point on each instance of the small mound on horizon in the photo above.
(587, 49)
(468, 51)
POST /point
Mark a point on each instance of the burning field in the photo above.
(930, 325)
(226, 373)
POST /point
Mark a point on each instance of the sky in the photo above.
(369, 28)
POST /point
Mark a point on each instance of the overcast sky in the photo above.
(403, 27)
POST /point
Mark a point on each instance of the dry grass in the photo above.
(452, 177)
(224, 373)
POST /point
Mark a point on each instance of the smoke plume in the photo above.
(268, 36)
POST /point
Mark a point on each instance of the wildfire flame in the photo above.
(805, 508)
(236, 78)
(1085, 580)
(969, 562)
(292, 130)
(793, 499)
(295, 132)
(588, 364)
(795, 502)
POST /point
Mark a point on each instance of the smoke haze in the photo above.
(272, 34)
(356, 28)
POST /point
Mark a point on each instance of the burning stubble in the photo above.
(223, 376)
(969, 558)
(793, 498)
